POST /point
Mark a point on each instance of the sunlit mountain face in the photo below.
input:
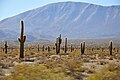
(73, 20)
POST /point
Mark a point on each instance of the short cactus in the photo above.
(6, 47)
(110, 47)
(65, 45)
(22, 39)
(48, 49)
(43, 48)
(82, 47)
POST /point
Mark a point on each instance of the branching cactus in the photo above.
(110, 47)
(65, 45)
(57, 44)
(6, 46)
(22, 39)
(82, 47)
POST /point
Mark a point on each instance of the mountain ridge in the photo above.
(62, 2)
(62, 17)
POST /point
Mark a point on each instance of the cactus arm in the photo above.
(60, 36)
(19, 39)
(24, 38)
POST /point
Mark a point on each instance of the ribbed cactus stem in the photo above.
(6, 46)
(65, 45)
(22, 39)
(110, 47)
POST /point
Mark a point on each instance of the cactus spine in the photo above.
(22, 39)
(6, 46)
(65, 45)
(110, 47)
(82, 47)
(57, 44)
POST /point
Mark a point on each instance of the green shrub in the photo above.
(36, 72)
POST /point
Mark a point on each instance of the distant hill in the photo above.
(74, 20)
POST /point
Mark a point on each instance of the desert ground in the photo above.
(44, 64)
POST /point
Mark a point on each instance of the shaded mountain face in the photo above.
(73, 20)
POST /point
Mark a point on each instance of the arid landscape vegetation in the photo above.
(60, 41)
(63, 59)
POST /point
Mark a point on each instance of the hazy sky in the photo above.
(10, 8)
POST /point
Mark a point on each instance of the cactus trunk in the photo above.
(21, 50)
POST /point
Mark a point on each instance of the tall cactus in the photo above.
(57, 44)
(82, 47)
(22, 39)
(65, 45)
(110, 46)
(6, 46)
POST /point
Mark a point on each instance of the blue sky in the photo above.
(10, 8)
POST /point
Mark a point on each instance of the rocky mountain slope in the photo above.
(74, 20)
